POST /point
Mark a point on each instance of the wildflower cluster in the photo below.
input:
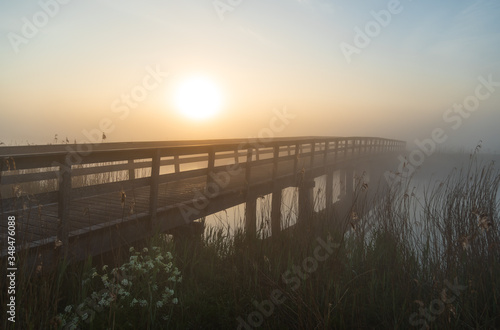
(144, 286)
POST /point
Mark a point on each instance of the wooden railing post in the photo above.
(325, 155)
(177, 166)
(296, 159)
(64, 200)
(131, 170)
(313, 151)
(236, 157)
(248, 166)
(276, 156)
(336, 149)
(210, 166)
(153, 192)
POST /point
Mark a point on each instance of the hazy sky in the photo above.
(342, 68)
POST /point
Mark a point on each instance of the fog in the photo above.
(397, 69)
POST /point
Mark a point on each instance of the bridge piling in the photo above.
(276, 197)
(64, 199)
(276, 212)
(153, 192)
(306, 200)
(251, 217)
(329, 191)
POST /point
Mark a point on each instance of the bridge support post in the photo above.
(251, 217)
(306, 200)
(349, 183)
(276, 213)
(343, 206)
(329, 191)
(64, 199)
(276, 198)
(153, 190)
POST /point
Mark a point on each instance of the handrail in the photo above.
(31, 167)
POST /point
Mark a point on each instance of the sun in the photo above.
(198, 98)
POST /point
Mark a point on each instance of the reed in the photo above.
(405, 257)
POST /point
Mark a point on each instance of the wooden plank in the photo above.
(248, 167)
(104, 188)
(210, 166)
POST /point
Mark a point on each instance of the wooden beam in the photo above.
(177, 166)
(276, 212)
(64, 200)
(248, 168)
(251, 217)
(131, 171)
(210, 166)
(306, 201)
(153, 192)
(313, 151)
(329, 190)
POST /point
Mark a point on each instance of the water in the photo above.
(233, 218)
(434, 171)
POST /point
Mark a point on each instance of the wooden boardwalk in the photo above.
(72, 199)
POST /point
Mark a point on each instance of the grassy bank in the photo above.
(404, 260)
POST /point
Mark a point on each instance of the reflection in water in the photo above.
(233, 218)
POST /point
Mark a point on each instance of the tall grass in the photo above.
(398, 258)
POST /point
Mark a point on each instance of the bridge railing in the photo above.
(59, 176)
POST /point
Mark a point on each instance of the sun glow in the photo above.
(198, 98)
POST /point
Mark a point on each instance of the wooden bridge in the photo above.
(85, 199)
